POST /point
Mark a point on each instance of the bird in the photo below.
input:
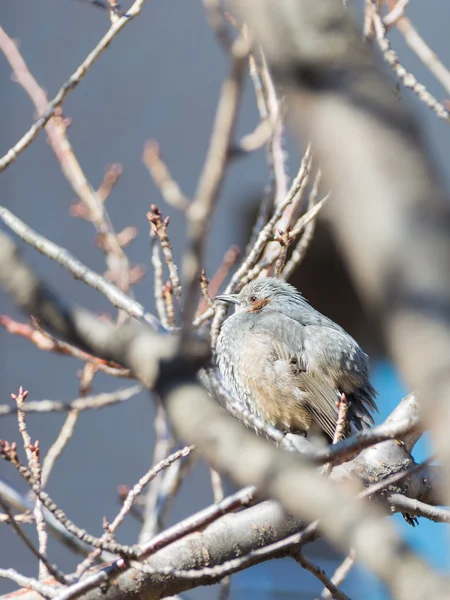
(289, 364)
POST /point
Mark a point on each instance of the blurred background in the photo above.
(160, 79)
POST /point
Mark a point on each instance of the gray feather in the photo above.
(287, 361)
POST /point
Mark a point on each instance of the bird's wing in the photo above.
(286, 339)
(320, 402)
(287, 335)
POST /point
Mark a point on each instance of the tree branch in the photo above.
(249, 460)
(70, 85)
(336, 93)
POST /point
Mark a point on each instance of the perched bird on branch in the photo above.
(290, 364)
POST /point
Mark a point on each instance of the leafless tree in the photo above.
(306, 58)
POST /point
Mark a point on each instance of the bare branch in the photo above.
(308, 229)
(367, 438)
(336, 93)
(117, 262)
(57, 448)
(80, 404)
(277, 159)
(9, 453)
(158, 280)
(44, 341)
(168, 187)
(80, 271)
(70, 85)
(405, 77)
(46, 591)
(164, 444)
(201, 209)
(401, 503)
(161, 225)
(190, 407)
(21, 502)
(151, 474)
(321, 576)
(340, 574)
(49, 568)
(33, 457)
(417, 43)
(397, 9)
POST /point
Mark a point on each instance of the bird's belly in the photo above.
(280, 406)
(264, 386)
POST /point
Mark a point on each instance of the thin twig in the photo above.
(364, 439)
(254, 140)
(303, 243)
(47, 591)
(47, 342)
(21, 502)
(417, 43)
(216, 484)
(305, 219)
(158, 278)
(151, 474)
(402, 503)
(164, 444)
(341, 424)
(168, 187)
(200, 211)
(85, 403)
(276, 153)
(295, 195)
(341, 427)
(80, 271)
(228, 261)
(396, 12)
(101, 577)
(110, 179)
(19, 399)
(199, 520)
(340, 574)
(32, 451)
(170, 484)
(307, 564)
(168, 293)
(70, 85)
(9, 453)
(267, 231)
(368, 29)
(405, 77)
(298, 188)
(204, 282)
(26, 517)
(243, 497)
(255, 76)
(155, 218)
(50, 569)
(130, 499)
(56, 128)
(218, 495)
(57, 448)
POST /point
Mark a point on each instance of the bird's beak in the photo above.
(230, 298)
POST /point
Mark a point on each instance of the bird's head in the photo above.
(256, 295)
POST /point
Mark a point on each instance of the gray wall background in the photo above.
(160, 78)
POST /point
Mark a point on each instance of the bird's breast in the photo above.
(264, 384)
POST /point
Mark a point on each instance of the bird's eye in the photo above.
(253, 298)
